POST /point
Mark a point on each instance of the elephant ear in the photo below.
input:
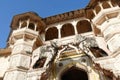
(42, 49)
(54, 43)
(79, 38)
(92, 42)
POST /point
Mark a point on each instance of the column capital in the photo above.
(74, 23)
(59, 26)
(100, 4)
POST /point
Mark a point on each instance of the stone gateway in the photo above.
(82, 44)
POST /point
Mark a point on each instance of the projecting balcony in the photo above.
(106, 14)
(27, 35)
(25, 31)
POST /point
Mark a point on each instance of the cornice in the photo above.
(5, 51)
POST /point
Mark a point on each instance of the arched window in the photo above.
(24, 24)
(97, 9)
(67, 30)
(51, 33)
(90, 14)
(83, 26)
(105, 5)
(31, 26)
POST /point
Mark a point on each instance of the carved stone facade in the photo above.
(77, 45)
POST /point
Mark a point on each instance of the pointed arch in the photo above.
(74, 73)
(72, 68)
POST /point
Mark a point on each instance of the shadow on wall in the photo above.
(1, 78)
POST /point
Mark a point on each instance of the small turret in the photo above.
(24, 38)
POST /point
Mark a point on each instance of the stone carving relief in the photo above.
(80, 43)
(53, 51)
(45, 51)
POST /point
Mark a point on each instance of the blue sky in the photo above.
(44, 8)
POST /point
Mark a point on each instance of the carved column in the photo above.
(109, 2)
(94, 12)
(59, 31)
(74, 24)
(100, 4)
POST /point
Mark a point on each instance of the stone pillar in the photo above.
(19, 61)
(35, 27)
(109, 2)
(59, 31)
(20, 23)
(28, 23)
(94, 12)
(100, 4)
(74, 24)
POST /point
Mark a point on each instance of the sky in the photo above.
(44, 8)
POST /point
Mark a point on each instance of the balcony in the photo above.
(25, 31)
(70, 39)
(105, 14)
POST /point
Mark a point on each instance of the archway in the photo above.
(83, 26)
(97, 9)
(31, 26)
(67, 30)
(51, 33)
(74, 73)
(24, 24)
(105, 5)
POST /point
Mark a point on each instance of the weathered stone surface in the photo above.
(15, 74)
(21, 47)
(20, 60)
(35, 74)
(86, 39)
